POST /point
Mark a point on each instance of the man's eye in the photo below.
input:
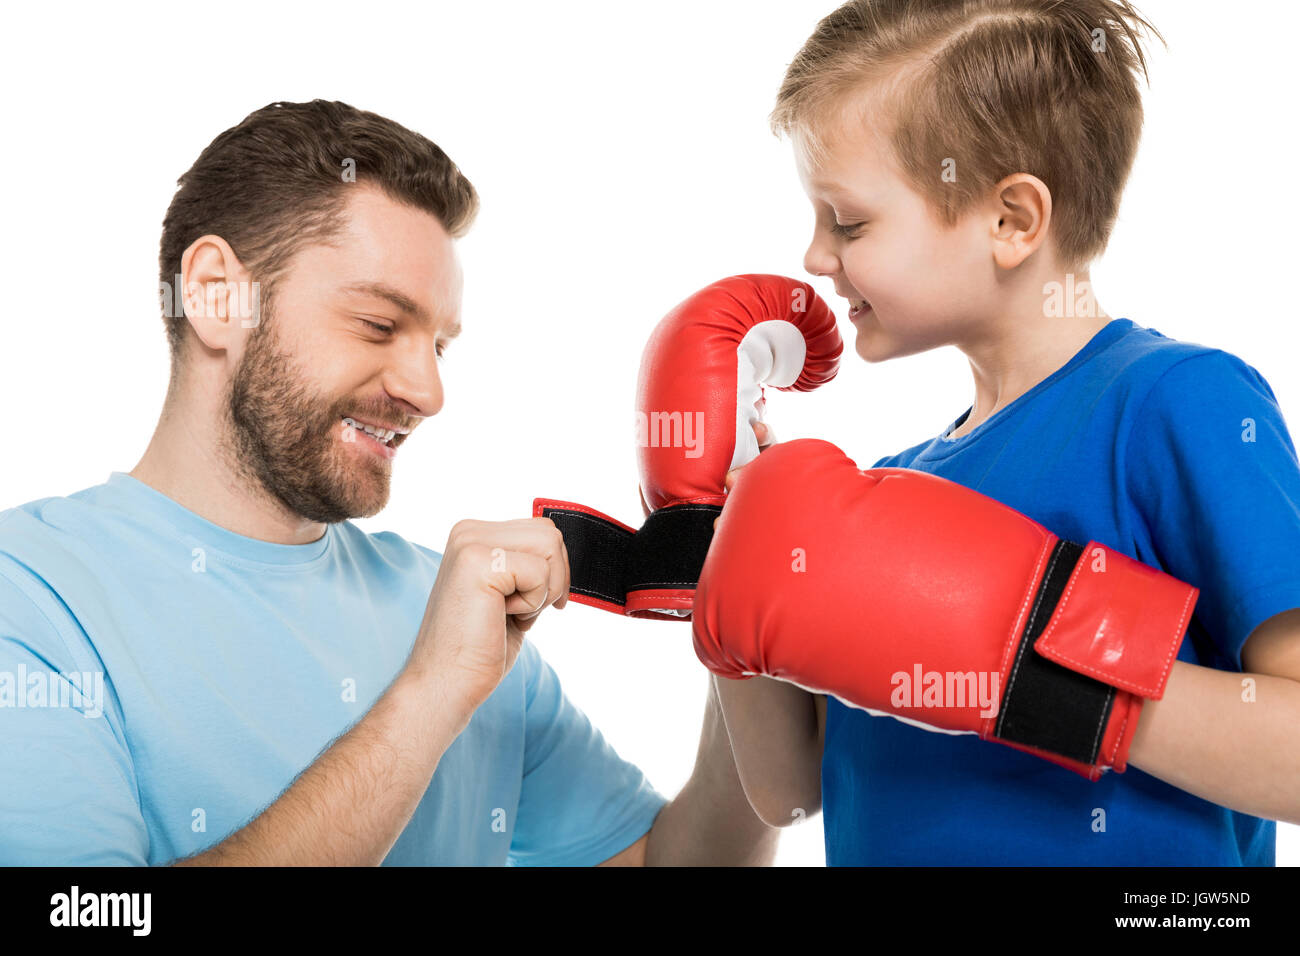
(846, 229)
(441, 349)
(377, 327)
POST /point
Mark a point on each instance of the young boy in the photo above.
(966, 159)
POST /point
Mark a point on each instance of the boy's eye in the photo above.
(846, 229)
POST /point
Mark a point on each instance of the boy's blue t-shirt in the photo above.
(163, 680)
(1173, 453)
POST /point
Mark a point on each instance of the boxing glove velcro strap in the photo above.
(1101, 623)
(654, 569)
(1046, 705)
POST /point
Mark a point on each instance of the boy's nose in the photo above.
(819, 260)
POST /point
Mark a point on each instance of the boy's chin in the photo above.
(875, 344)
(871, 346)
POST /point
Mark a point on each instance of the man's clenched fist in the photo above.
(495, 578)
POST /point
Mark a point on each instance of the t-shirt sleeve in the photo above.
(69, 795)
(1213, 472)
(580, 802)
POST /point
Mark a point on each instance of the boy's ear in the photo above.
(1020, 218)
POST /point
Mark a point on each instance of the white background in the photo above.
(623, 159)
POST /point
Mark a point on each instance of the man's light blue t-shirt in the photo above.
(163, 680)
(1173, 453)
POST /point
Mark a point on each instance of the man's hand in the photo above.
(496, 577)
(350, 806)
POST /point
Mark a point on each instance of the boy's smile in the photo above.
(911, 283)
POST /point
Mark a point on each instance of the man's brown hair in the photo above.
(278, 180)
(985, 88)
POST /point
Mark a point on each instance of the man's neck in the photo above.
(188, 462)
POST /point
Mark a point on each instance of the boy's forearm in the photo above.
(773, 730)
(349, 807)
(711, 822)
(1226, 737)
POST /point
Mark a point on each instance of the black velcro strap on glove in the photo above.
(1046, 705)
(608, 562)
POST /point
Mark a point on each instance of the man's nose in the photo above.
(416, 379)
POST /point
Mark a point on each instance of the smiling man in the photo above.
(226, 668)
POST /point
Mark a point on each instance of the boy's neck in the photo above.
(1015, 355)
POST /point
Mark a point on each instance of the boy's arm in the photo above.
(773, 730)
(1217, 484)
(777, 731)
(1230, 737)
(710, 822)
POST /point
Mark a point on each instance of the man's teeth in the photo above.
(381, 434)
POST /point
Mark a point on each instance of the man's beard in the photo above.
(285, 437)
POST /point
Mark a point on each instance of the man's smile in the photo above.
(380, 440)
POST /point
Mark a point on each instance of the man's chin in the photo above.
(364, 486)
(340, 486)
(352, 504)
(366, 512)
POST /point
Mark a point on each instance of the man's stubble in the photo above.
(283, 437)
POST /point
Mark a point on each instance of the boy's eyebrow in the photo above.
(382, 290)
(829, 188)
(836, 191)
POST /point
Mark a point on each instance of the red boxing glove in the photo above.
(903, 593)
(701, 381)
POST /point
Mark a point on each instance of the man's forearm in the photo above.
(711, 822)
(349, 807)
(1224, 740)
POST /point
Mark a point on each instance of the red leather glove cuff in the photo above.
(1114, 629)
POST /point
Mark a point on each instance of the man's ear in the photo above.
(1020, 216)
(221, 299)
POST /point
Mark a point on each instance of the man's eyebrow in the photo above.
(382, 290)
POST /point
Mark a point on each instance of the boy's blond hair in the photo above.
(976, 90)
